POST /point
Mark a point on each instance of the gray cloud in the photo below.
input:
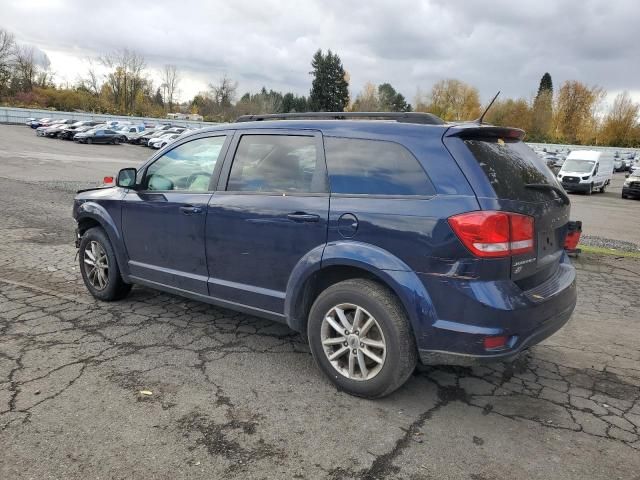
(493, 45)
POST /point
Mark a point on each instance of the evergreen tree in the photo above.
(390, 100)
(542, 110)
(546, 85)
(330, 88)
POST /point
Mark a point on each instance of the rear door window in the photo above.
(374, 167)
(509, 166)
(277, 163)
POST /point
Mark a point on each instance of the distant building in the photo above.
(185, 116)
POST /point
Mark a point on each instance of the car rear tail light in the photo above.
(107, 180)
(494, 234)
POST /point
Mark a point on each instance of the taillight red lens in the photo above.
(494, 234)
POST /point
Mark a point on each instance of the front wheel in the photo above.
(89, 141)
(590, 190)
(99, 267)
(603, 188)
(361, 339)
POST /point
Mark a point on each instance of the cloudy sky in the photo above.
(494, 44)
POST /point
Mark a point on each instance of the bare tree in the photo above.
(170, 82)
(92, 82)
(126, 79)
(25, 67)
(223, 94)
(7, 45)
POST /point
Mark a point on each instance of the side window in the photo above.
(277, 163)
(374, 167)
(188, 167)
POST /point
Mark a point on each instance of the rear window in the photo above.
(509, 166)
(374, 167)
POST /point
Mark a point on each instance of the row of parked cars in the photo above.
(590, 171)
(626, 162)
(112, 132)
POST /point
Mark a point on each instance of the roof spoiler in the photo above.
(481, 131)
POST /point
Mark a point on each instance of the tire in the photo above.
(391, 329)
(624, 196)
(590, 191)
(114, 288)
(603, 188)
(89, 141)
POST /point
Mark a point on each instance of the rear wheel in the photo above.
(361, 339)
(99, 267)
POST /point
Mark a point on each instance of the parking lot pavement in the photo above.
(608, 215)
(233, 396)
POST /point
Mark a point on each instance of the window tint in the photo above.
(277, 163)
(374, 167)
(510, 165)
(186, 167)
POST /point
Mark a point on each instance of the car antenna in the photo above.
(479, 120)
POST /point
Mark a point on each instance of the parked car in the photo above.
(154, 139)
(53, 130)
(154, 133)
(163, 140)
(618, 165)
(365, 235)
(634, 168)
(631, 185)
(97, 135)
(40, 122)
(68, 132)
(127, 132)
(585, 171)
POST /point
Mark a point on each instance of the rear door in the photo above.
(269, 211)
(507, 175)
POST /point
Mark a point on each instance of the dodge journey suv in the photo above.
(386, 239)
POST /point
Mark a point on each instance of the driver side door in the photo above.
(163, 220)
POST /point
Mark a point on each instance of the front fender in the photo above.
(387, 268)
(97, 212)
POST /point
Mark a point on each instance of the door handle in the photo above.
(191, 210)
(303, 217)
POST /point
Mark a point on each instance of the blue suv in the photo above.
(384, 238)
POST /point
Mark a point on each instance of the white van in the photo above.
(586, 171)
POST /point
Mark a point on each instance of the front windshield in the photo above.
(578, 166)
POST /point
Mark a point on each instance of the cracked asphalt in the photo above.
(234, 396)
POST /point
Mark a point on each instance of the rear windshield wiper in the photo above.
(545, 186)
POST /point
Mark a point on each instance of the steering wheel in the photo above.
(193, 177)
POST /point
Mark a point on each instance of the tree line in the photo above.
(120, 83)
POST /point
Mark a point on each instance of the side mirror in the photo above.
(126, 178)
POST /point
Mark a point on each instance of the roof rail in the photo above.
(402, 117)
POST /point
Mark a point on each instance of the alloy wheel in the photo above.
(96, 265)
(353, 342)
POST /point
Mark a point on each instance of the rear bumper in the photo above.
(545, 330)
(487, 309)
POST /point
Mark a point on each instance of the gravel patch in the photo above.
(596, 241)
